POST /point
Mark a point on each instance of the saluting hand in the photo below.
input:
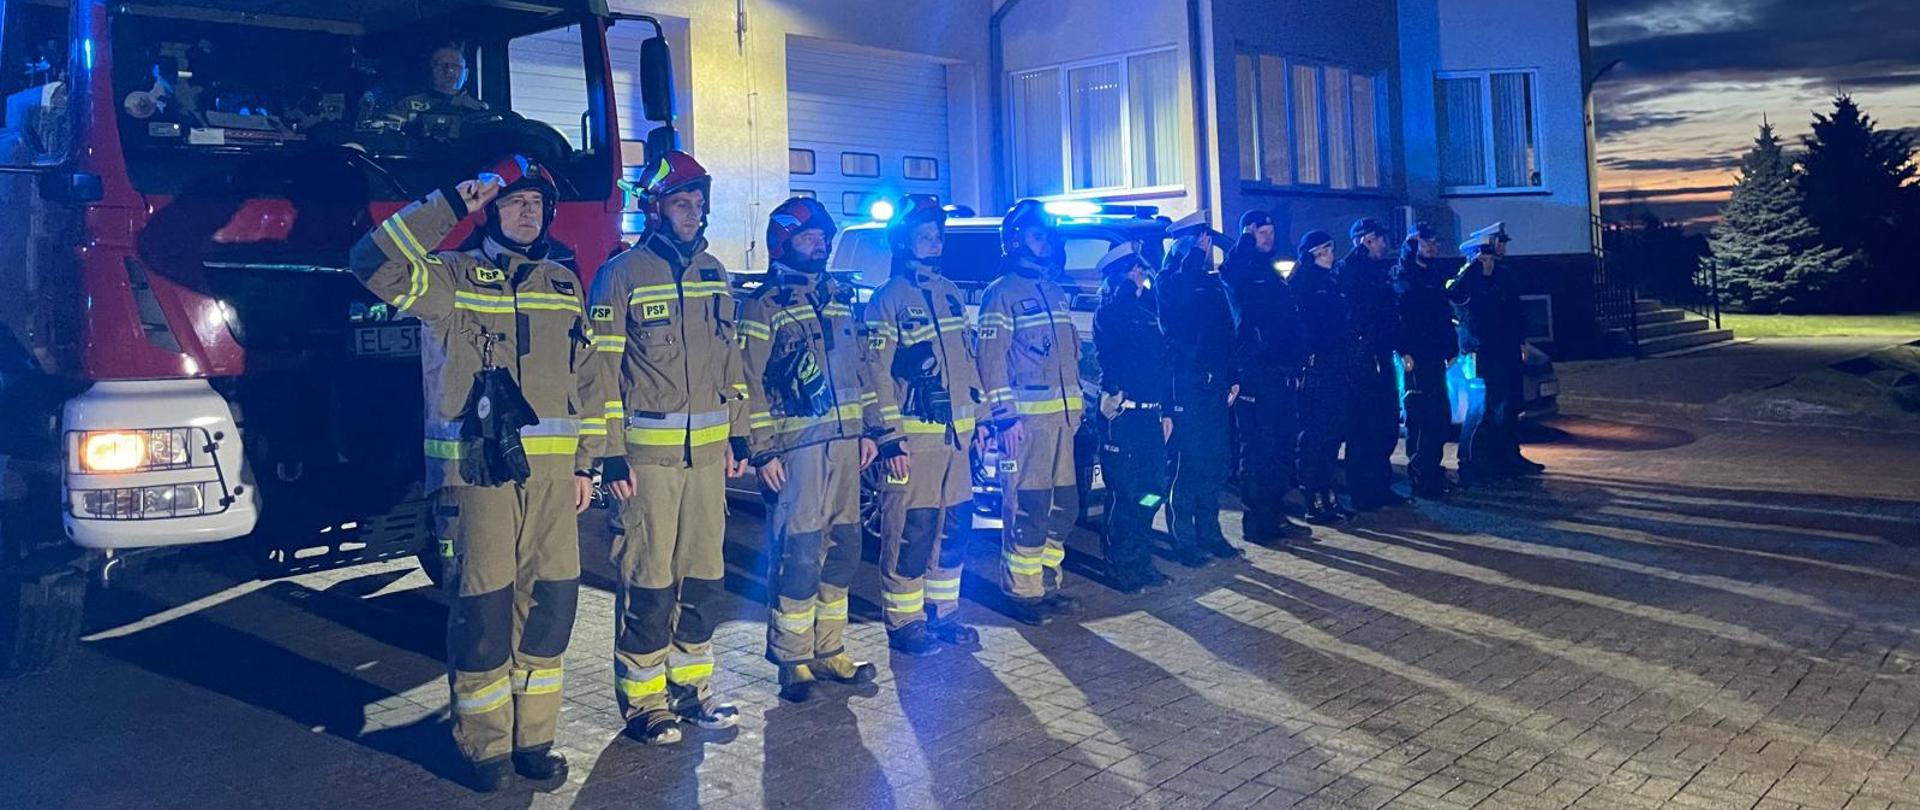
(476, 193)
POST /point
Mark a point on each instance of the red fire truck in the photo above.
(184, 359)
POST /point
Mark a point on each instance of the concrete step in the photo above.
(1660, 315)
(1685, 340)
(1648, 304)
(1670, 327)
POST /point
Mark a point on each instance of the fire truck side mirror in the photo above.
(661, 140)
(656, 79)
(71, 187)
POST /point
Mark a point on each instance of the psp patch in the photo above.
(989, 332)
(601, 313)
(656, 310)
(483, 274)
(1008, 465)
(876, 342)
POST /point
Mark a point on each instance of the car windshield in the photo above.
(216, 97)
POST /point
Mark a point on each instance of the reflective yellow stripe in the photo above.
(760, 419)
(1051, 556)
(799, 622)
(840, 413)
(537, 681)
(943, 590)
(961, 424)
(482, 700)
(912, 602)
(835, 610)
(1049, 406)
(649, 681)
(610, 343)
(996, 319)
(592, 426)
(552, 306)
(416, 261)
(690, 673)
(550, 445)
(674, 437)
(755, 329)
(448, 449)
(1021, 563)
(1031, 321)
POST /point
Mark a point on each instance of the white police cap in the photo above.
(1120, 259)
(1192, 224)
(1485, 237)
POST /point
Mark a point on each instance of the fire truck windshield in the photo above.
(210, 101)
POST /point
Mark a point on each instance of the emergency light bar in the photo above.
(1089, 208)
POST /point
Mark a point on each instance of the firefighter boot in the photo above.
(703, 710)
(1324, 508)
(951, 631)
(843, 669)
(546, 769)
(487, 777)
(655, 727)
(913, 639)
(1060, 604)
(1028, 612)
(796, 683)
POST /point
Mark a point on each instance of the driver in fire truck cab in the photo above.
(436, 109)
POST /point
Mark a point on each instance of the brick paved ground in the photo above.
(1675, 618)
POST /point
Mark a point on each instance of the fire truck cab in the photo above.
(184, 358)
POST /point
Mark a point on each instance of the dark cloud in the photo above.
(1699, 164)
(1829, 42)
(1874, 82)
(1607, 126)
(1640, 194)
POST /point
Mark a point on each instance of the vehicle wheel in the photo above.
(40, 618)
(870, 501)
(434, 565)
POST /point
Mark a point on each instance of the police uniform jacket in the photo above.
(1126, 331)
(1426, 316)
(1488, 310)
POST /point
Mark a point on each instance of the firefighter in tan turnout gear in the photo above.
(917, 328)
(504, 336)
(1030, 366)
(818, 419)
(662, 317)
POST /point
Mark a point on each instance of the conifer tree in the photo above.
(1858, 183)
(1768, 254)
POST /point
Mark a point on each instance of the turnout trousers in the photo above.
(1373, 429)
(1429, 418)
(924, 524)
(813, 525)
(1134, 464)
(514, 565)
(1201, 458)
(1269, 418)
(672, 568)
(1040, 504)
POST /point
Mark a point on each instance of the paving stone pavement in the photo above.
(1603, 639)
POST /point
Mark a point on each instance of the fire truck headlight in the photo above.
(113, 451)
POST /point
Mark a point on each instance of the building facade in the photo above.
(1456, 112)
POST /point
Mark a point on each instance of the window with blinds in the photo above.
(1306, 124)
(1111, 124)
(1488, 131)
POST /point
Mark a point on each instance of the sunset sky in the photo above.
(1695, 77)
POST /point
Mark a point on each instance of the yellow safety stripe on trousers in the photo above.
(536, 681)
(416, 257)
(869, 398)
(686, 668)
(913, 601)
(834, 611)
(1051, 556)
(799, 621)
(1021, 564)
(999, 319)
(647, 681)
(482, 700)
(943, 590)
(609, 343)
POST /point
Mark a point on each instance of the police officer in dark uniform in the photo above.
(1134, 391)
(1427, 345)
(1269, 354)
(1196, 314)
(1323, 379)
(1373, 425)
(1492, 328)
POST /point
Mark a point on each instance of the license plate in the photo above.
(393, 340)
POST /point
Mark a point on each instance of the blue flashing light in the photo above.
(881, 211)
(1072, 208)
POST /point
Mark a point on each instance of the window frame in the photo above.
(844, 154)
(905, 173)
(1122, 62)
(813, 161)
(1382, 138)
(1484, 78)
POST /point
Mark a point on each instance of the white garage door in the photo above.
(865, 127)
